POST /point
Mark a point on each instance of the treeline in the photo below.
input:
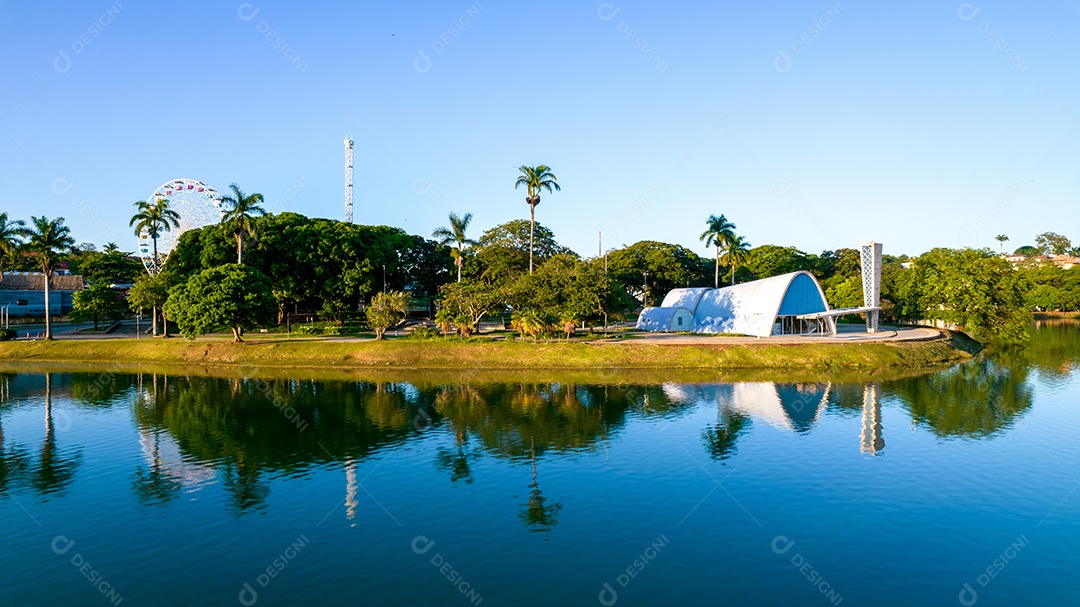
(338, 270)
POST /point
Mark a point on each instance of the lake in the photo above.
(953, 487)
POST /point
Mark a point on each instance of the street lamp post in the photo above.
(645, 291)
(384, 278)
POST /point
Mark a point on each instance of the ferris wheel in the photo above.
(197, 204)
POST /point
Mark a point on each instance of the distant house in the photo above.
(1016, 259)
(1065, 262)
(23, 293)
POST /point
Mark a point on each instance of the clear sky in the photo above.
(813, 124)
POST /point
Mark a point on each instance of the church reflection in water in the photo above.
(793, 407)
(240, 434)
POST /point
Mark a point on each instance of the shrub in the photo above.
(7, 334)
(423, 332)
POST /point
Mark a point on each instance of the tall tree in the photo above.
(153, 218)
(1052, 244)
(240, 209)
(1002, 239)
(719, 233)
(11, 233)
(387, 310)
(46, 240)
(97, 303)
(152, 291)
(535, 179)
(229, 296)
(738, 250)
(456, 234)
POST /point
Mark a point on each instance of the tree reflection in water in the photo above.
(52, 471)
(247, 432)
(720, 439)
(972, 400)
(539, 514)
(13, 460)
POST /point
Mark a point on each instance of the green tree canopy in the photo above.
(231, 296)
(1053, 244)
(386, 310)
(503, 251)
(773, 260)
(975, 289)
(97, 303)
(106, 267)
(669, 266)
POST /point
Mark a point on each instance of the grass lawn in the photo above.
(274, 351)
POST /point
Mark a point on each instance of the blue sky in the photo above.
(813, 124)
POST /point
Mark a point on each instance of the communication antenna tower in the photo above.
(348, 179)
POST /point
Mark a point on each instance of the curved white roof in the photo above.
(684, 298)
(752, 307)
(661, 319)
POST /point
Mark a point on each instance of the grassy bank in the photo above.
(451, 354)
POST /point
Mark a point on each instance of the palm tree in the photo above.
(46, 239)
(240, 209)
(535, 179)
(1002, 239)
(720, 233)
(456, 233)
(153, 218)
(11, 232)
(110, 248)
(738, 251)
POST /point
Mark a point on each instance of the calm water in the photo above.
(959, 487)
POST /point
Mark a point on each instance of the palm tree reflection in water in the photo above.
(539, 515)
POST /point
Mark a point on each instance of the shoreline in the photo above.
(320, 355)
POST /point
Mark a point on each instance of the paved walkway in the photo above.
(845, 334)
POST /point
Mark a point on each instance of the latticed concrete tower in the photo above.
(870, 259)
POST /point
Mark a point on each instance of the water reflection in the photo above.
(973, 400)
(872, 442)
(194, 432)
